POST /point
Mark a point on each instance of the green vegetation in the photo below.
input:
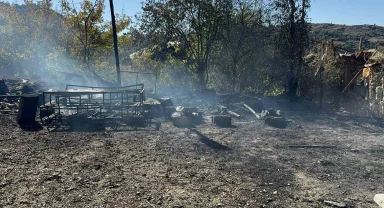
(246, 46)
(348, 37)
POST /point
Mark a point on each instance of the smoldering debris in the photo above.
(185, 108)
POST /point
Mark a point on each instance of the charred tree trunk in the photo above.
(201, 69)
(234, 75)
(292, 83)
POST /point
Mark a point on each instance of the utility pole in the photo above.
(115, 42)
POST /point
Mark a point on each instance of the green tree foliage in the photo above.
(39, 40)
(30, 34)
(92, 43)
(193, 23)
(231, 45)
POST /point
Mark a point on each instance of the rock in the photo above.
(179, 108)
(24, 89)
(270, 112)
(379, 199)
(168, 111)
(3, 88)
(335, 204)
(54, 177)
(277, 122)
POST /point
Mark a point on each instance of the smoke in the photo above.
(41, 47)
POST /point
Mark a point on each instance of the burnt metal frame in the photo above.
(137, 76)
(122, 100)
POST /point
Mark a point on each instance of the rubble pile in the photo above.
(12, 89)
(221, 108)
(8, 105)
(186, 116)
(22, 86)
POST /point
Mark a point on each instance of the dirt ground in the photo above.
(319, 157)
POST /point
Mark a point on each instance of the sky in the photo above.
(348, 12)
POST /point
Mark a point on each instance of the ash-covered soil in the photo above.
(319, 157)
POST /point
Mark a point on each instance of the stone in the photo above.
(379, 199)
(335, 204)
(168, 111)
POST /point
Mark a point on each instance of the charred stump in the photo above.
(222, 121)
(28, 109)
(181, 121)
(277, 122)
(3, 88)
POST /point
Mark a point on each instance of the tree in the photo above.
(193, 23)
(242, 33)
(92, 36)
(85, 25)
(30, 34)
(292, 20)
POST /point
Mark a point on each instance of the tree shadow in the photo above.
(211, 143)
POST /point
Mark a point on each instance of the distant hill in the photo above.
(348, 37)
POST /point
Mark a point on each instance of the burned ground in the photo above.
(318, 157)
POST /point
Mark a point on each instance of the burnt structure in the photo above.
(366, 64)
(94, 108)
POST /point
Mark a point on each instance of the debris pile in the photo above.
(9, 105)
(12, 89)
(21, 86)
(186, 116)
(221, 108)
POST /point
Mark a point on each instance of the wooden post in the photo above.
(115, 42)
(28, 109)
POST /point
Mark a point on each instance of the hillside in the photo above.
(347, 37)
